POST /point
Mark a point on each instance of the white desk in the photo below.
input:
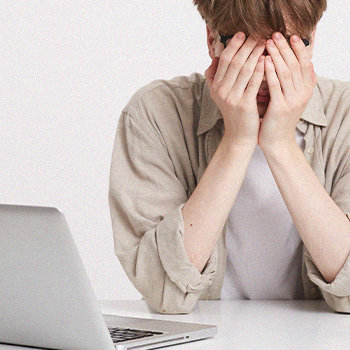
(258, 325)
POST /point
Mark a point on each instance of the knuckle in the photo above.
(286, 74)
(215, 85)
(236, 64)
(309, 66)
(221, 93)
(231, 101)
(295, 66)
(253, 81)
(225, 59)
(246, 71)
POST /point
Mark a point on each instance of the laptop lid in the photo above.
(46, 299)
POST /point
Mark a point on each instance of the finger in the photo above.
(289, 58)
(255, 81)
(283, 72)
(303, 56)
(239, 63)
(248, 70)
(241, 58)
(272, 80)
(211, 71)
(227, 55)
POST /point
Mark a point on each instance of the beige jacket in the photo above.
(166, 137)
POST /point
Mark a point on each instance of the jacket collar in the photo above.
(210, 114)
(314, 112)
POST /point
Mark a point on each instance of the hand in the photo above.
(234, 81)
(291, 80)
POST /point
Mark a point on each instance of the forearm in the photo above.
(234, 81)
(207, 210)
(323, 227)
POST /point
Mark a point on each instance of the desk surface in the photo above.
(252, 324)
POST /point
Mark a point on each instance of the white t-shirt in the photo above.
(264, 249)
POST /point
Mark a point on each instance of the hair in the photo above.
(261, 18)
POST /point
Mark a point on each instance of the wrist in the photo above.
(280, 148)
(238, 144)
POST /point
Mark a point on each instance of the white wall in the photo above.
(67, 68)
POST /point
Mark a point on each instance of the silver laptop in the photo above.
(46, 300)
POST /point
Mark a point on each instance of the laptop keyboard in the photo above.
(123, 334)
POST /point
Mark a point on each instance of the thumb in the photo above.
(211, 71)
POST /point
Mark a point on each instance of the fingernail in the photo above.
(277, 36)
(295, 39)
(240, 36)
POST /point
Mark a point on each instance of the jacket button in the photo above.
(310, 150)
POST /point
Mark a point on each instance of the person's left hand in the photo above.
(291, 80)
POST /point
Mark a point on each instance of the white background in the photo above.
(67, 69)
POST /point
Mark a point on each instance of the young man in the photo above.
(237, 185)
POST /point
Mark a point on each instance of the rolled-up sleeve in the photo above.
(146, 198)
(337, 293)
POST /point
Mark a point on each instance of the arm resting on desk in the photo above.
(337, 293)
(146, 197)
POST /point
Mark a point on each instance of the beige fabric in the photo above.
(166, 136)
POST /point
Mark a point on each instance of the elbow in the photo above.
(338, 304)
(172, 307)
(177, 310)
(172, 303)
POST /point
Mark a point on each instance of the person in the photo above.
(236, 185)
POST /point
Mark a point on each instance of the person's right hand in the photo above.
(234, 80)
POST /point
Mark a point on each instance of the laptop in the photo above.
(46, 299)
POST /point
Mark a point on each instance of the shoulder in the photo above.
(167, 110)
(182, 90)
(334, 91)
(335, 95)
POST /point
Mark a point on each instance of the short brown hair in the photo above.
(262, 17)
